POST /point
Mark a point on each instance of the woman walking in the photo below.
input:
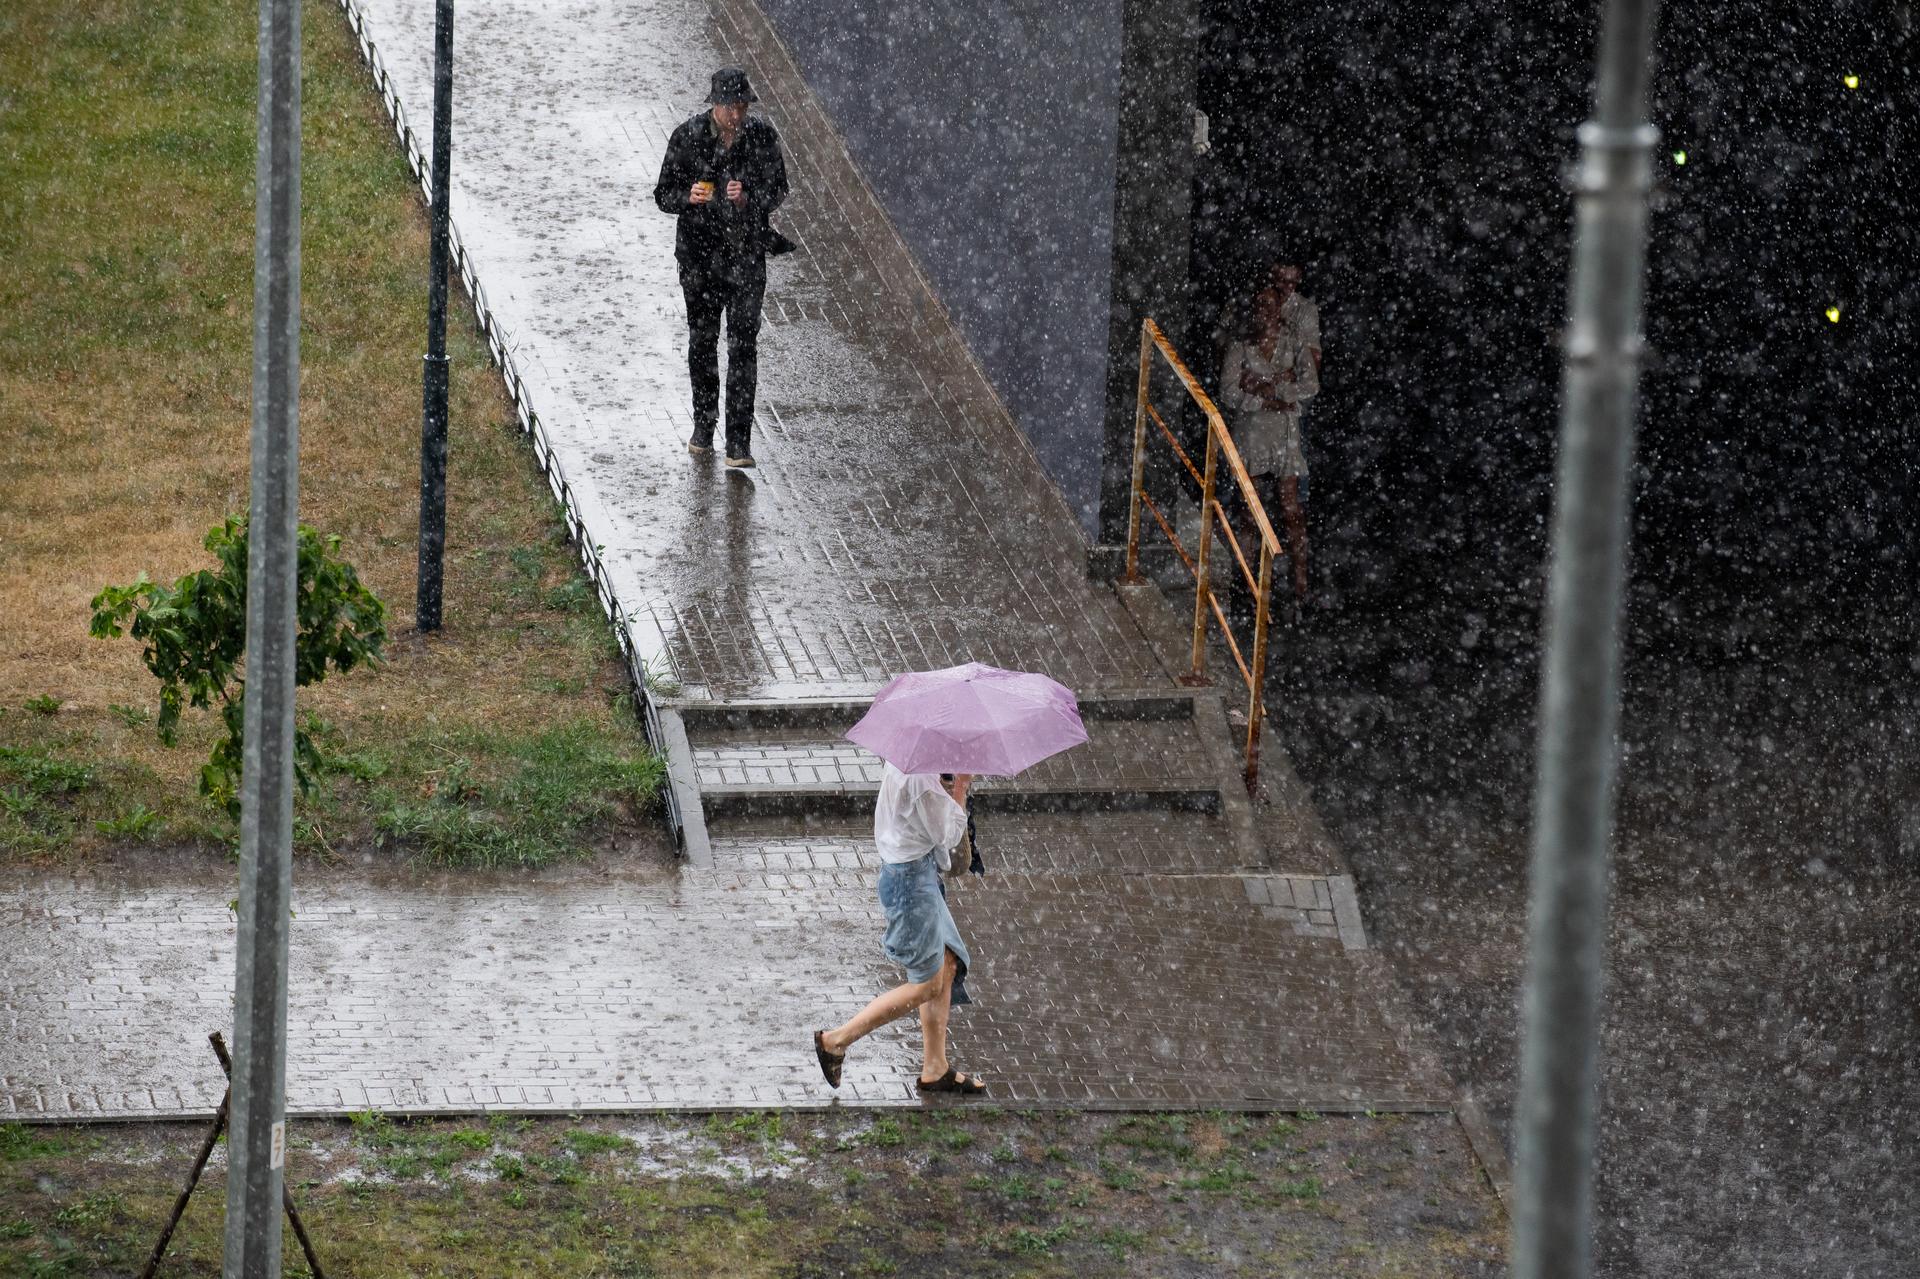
(917, 825)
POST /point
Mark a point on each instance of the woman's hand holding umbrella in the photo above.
(970, 719)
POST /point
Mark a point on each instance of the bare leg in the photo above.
(1295, 517)
(891, 1006)
(933, 1023)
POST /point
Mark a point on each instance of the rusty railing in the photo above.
(1259, 581)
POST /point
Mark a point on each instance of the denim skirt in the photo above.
(920, 928)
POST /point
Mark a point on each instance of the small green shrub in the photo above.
(373, 1129)
(194, 638)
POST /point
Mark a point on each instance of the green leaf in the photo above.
(194, 635)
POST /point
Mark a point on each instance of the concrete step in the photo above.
(1140, 843)
(1126, 766)
(1148, 756)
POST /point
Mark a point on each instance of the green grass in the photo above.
(1166, 1134)
(1038, 1242)
(126, 229)
(562, 1198)
(1120, 1241)
(526, 801)
(584, 1142)
(40, 794)
(886, 1133)
(760, 1127)
(19, 1142)
(1015, 1189)
(1221, 1179)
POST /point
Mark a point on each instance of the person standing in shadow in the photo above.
(1271, 369)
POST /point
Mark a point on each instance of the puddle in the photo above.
(672, 1153)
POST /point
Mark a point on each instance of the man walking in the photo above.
(722, 175)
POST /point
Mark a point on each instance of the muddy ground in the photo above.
(951, 1192)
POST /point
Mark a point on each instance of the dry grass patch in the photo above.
(126, 221)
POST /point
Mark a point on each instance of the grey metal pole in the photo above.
(433, 389)
(1579, 701)
(257, 1134)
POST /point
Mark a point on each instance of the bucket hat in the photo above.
(730, 85)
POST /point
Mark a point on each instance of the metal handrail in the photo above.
(1219, 444)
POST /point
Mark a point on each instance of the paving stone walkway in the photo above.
(1141, 940)
(692, 990)
(897, 519)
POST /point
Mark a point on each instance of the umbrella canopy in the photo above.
(969, 719)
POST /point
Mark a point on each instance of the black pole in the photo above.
(433, 394)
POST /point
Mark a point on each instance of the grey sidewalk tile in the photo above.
(1110, 948)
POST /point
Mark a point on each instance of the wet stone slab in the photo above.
(897, 520)
(690, 991)
(1152, 958)
(1118, 755)
(1121, 843)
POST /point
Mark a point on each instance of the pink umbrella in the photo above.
(969, 719)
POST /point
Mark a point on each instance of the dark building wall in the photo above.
(1413, 158)
(988, 132)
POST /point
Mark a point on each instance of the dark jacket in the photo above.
(719, 228)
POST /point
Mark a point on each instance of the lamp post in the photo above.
(433, 391)
(1579, 700)
(257, 1150)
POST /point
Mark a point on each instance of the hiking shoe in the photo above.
(740, 461)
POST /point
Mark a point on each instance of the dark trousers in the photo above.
(730, 286)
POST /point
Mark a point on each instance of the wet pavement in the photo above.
(696, 989)
(1141, 941)
(897, 519)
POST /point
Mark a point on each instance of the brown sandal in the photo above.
(830, 1063)
(952, 1081)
